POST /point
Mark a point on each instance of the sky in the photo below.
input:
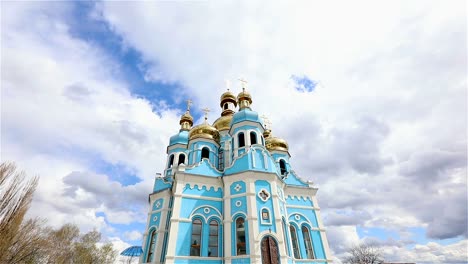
(370, 96)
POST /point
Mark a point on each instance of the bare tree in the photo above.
(364, 254)
(16, 192)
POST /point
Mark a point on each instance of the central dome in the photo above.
(204, 131)
(223, 122)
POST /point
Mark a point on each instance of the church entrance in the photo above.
(270, 254)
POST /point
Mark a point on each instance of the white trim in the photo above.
(302, 207)
(201, 197)
(267, 221)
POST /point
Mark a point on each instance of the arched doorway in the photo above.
(270, 254)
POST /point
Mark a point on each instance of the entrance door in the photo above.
(270, 254)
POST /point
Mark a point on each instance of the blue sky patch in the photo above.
(303, 84)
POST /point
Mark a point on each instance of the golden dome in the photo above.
(204, 131)
(275, 143)
(244, 95)
(186, 117)
(228, 97)
(186, 121)
(223, 122)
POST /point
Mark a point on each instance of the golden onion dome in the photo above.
(186, 117)
(275, 143)
(204, 131)
(228, 97)
(223, 123)
(244, 95)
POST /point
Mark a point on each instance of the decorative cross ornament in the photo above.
(266, 121)
(228, 84)
(244, 82)
(206, 111)
(189, 103)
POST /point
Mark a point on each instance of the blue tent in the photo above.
(133, 251)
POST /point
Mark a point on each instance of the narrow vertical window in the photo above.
(286, 238)
(240, 236)
(241, 139)
(295, 243)
(213, 248)
(253, 138)
(225, 106)
(171, 161)
(308, 243)
(221, 159)
(152, 246)
(205, 153)
(181, 159)
(282, 164)
(196, 237)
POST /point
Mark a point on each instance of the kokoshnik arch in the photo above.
(229, 195)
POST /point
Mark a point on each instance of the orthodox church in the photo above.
(229, 195)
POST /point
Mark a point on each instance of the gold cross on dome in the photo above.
(206, 111)
(189, 103)
(244, 83)
(228, 84)
(266, 121)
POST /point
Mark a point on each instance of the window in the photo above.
(253, 138)
(286, 238)
(152, 246)
(308, 243)
(171, 161)
(225, 106)
(213, 239)
(282, 164)
(196, 237)
(205, 153)
(295, 243)
(181, 159)
(241, 140)
(240, 236)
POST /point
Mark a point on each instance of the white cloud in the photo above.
(65, 107)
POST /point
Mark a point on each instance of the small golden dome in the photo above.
(228, 97)
(204, 131)
(223, 122)
(186, 117)
(275, 143)
(244, 95)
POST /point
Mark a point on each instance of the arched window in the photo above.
(282, 164)
(253, 138)
(171, 161)
(295, 243)
(286, 244)
(240, 236)
(196, 237)
(308, 243)
(225, 106)
(213, 247)
(241, 139)
(205, 153)
(152, 246)
(181, 159)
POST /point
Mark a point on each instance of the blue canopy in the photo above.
(133, 251)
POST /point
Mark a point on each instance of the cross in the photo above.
(228, 84)
(189, 102)
(266, 121)
(206, 110)
(244, 82)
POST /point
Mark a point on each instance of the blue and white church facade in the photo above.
(229, 195)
